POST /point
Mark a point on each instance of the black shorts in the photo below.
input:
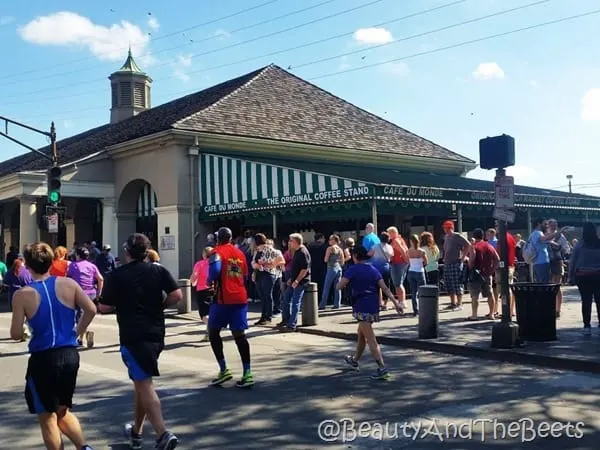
(51, 379)
(204, 300)
(141, 359)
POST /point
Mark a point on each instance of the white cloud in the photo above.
(221, 34)
(181, 75)
(68, 124)
(590, 106)
(184, 60)
(5, 20)
(397, 69)
(153, 23)
(70, 29)
(372, 36)
(488, 71)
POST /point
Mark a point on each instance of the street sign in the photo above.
(53, 223)
(506, 215)
(505, 192)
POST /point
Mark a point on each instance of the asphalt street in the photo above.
(306, 399)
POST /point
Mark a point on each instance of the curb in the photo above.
(507, 356)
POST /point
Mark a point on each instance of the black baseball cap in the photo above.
(224, 235)
(83, 253)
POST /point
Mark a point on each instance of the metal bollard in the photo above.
(310, 305)
(429, 299)
(185, 305)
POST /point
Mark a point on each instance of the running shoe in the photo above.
(168, 441)
(135, 440)
(351, 361)
(381, 374)
(89, 338)
(246, 381)
(222, 377)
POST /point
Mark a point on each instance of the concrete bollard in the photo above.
(429, 299)
(185, 305)
(310, 305)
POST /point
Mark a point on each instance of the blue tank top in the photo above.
(54, 324)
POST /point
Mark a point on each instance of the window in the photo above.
(125, 93)
(139, 90)
(115, 95)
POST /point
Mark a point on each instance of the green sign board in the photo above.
(479, 197)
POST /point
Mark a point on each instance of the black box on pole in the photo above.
(497, 152)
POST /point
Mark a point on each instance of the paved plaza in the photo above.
(301, 382)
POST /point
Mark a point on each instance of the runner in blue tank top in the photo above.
(49, 306)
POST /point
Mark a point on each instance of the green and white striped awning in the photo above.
(231, 185)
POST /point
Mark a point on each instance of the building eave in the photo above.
(273, 148)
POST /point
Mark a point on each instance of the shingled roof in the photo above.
(268, 103)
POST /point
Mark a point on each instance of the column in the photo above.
(529, 223)
(459, 219)
(374, 215)
(29, 230)
(70, 231)
(175, 239)
(274, 214)
(109, 222)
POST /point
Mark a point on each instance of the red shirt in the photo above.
(512, 249)
(231, 289)
(399, 246)
(484, 258)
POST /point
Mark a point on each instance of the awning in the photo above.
(231, 185)
(481, 197)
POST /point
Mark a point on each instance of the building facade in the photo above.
(267, 151)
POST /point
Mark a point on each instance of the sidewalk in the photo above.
(572, 350)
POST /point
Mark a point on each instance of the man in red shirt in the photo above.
(483, 261)
(512, 261)
(227, 271)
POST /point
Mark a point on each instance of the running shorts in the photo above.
(50, 380)
(141, 359)
(234, 316)
(203, 300)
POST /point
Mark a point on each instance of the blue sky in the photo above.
(541, 86)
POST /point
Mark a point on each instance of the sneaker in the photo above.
(246, 381)
(281, 324)
(457, 308)
(89, 338)
(168, 441)
(450, 306)
(262, 322)
(587, 331)
(288, 329)
(86, 447)
(222, 377)
(381, 374)
(351, 361)
(135, 440)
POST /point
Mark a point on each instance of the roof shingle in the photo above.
(268, 103)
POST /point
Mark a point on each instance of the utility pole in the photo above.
(570, 178)
(54, 173)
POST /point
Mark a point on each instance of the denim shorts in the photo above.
(398, 272)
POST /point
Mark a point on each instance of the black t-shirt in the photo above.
(136, 290)
(300, 261)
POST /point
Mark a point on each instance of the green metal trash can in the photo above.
(536, 310)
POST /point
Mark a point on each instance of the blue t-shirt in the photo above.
(370, 241)
(541, 248)
(364, 279)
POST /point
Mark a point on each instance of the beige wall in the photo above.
(165, 166)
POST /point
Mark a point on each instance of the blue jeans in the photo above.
(398, 273)
(277, 297)
(541, 273)
(264, 285)
(415, 279)
(291, 304)
(332, 278)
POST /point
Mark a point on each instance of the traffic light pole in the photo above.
(53, 156)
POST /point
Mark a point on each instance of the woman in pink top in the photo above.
(204, 294)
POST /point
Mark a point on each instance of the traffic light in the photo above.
(54, 175)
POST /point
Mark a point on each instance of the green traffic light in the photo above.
(54, 197)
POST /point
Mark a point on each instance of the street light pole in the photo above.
(570, 177)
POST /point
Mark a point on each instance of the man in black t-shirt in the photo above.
(299, 276)
(136, 289)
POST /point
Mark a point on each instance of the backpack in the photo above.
(529, 252)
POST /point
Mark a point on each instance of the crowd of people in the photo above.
(58, 294)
